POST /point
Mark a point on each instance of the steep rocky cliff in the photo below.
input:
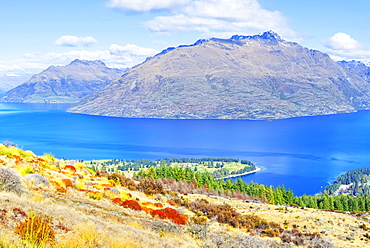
(63, 83)
(244, 77)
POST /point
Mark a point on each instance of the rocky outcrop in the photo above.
(244, 77)
(63, 83)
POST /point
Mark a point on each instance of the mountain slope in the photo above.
(244, 77)
(357, 67)
(63, 83)
(8, 82)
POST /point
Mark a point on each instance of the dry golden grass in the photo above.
(82, 221)
(342, 229)
(91, 223)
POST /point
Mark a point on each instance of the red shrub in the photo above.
(131, 204)
(127, 204)
(19, 212)
(158, 205)
(117, 201)
(171, 214)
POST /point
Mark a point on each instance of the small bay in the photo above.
(304, 153)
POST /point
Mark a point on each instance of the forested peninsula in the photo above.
(354, 183)
(203, 175)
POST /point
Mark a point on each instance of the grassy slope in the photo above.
(80, 221)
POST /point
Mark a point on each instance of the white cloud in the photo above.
(342, 46)
(342, 41)
(116, 56)
(145, 5)
(218, 17)
(131, 49)
(221, 18)
(73, 41)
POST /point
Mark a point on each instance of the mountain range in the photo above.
(244, 77)
(62, 84)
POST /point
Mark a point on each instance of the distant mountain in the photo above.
(244, 77)
(357, 67)
(63, 83)
(8, 82)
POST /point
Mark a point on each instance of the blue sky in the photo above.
(39, 33)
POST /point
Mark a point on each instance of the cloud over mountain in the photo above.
(342, 46)
(73, 41)
(208, 16)
(342, 41)
(115, 56)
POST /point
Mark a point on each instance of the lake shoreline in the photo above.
(242, 174)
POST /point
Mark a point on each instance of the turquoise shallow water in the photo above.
(304, 153)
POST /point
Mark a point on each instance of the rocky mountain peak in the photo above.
(266, 36)
(87, 62)
(271, 35)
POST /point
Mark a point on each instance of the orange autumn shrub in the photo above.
(36, 230)
(18, 159)
(172, 203)
(147, 210)
(170, 214)
(70, 168)
(158, 205)
(67, 182)
(61, 189)
(86, 190)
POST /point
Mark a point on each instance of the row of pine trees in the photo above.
(270, 194)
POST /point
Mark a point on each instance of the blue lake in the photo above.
(304, 153)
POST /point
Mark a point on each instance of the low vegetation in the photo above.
(48, 202)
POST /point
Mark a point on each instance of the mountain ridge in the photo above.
(68, 83)
(244, 77)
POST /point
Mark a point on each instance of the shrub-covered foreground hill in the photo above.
(46, 202)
